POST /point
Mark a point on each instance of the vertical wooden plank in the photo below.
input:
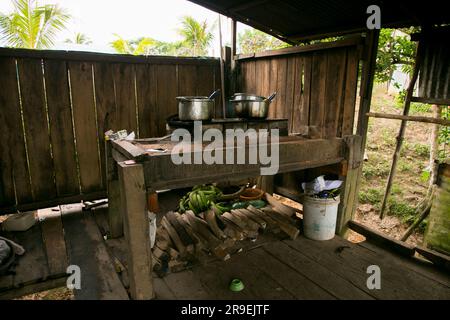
(167, 91)
(334, 92)
(273, 82)
(317, 92)
(134, 204)
(105, 107)
(250, 77)
(218, 85)
(281, 109)
(262, 77)
(115, 217)
(289, 93)
(146, 100)
(85, 126)
(36, 129)
(61, 129)
(351, 85)
(187, 80)
(302, 94)
(13, 158)
(124, 83)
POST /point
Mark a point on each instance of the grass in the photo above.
(409, 187)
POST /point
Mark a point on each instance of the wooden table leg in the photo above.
(114, 207)
(136, 228)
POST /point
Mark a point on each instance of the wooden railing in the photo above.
(316, 85)
(55, 107)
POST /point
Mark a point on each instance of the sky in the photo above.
(101, 19)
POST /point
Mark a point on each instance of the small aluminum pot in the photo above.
(247, 96)
(195, 108)
(251, 109)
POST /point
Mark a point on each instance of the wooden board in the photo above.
(334, 92)
(133, 198)
(146, 88)
(87, 250)
(351, 82)
(36, 129)
(61, 128)
(350, 261)
(13, 157)
(165, 96)
(317, 92)
(105, 106)
(126, 107)
(53, 237)
(84, 117)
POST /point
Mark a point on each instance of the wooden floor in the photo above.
(270, 268)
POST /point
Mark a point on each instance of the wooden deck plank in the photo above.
(86, 249)
(350, 261)
(187, 285)
(258, 284)
(289, 279)
(337, 286)
(53, 237)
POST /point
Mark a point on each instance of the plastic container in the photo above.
(319, 217)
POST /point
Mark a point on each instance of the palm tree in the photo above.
(197, 37)
(80, 38)
(31, 25)
(142, 46)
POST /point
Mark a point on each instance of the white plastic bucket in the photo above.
(319, 217)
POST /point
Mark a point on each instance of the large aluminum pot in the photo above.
(251, 106)
(195, 108)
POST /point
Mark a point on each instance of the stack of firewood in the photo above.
(181, 239)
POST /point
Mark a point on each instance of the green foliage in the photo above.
(197, 36)
(378, 169)
(372, 195)
(31, 25)
(80, 38)
(252, 40)
(394, 49)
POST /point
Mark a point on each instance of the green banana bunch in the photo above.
(200, 199)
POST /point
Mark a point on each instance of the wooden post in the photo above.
(367, 78)
(349, 193)
(402, 129)
(114, 206)
(136, 226)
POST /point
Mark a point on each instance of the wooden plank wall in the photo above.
(316, 89)
(56, 106)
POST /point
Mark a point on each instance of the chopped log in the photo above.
(210, 217)
(187, 227)
(252, 225)
(273, 225)
(278, 206)
(182, 234)
(203, 230)
(174, 236)
(162, 243)
(239, 225)
(285, 225)
(160, 254)
(174, 254)
(252, 217)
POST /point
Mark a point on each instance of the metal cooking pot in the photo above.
(251, 106)
(196, 107)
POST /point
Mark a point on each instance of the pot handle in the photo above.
(271, 97)
(214, 94)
